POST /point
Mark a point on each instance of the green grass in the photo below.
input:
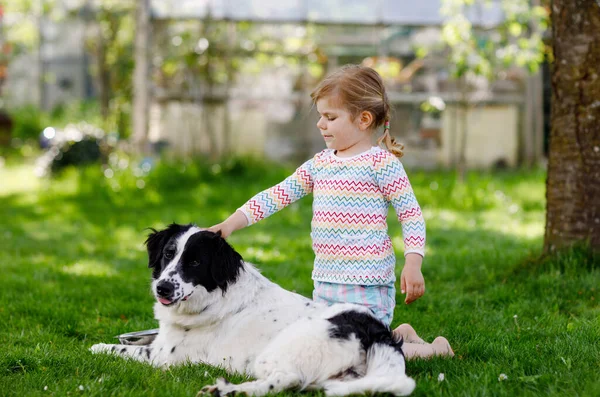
(73, 273)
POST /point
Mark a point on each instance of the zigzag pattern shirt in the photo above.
(351, 198)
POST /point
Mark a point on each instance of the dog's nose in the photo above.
(165, 289)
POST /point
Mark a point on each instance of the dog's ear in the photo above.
(226, 263)
(156, 242)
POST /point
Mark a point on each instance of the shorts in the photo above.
(380, 299)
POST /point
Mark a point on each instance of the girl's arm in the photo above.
(269, 201)
(236, 221)
(396, 188)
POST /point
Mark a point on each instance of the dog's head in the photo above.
(185, 259)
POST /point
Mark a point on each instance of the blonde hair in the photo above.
(358, 89)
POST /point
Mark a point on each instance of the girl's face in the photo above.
(346, 136)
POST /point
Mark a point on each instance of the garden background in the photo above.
(79, 188)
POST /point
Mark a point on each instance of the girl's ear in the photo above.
(365, 120)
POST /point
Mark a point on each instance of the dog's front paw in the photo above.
(222, 388)
(336, 390)
(209, 390)
(102, 348)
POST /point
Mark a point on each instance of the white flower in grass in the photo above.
(45, 387)
(81, 387)
(502, 377)
(441, 377)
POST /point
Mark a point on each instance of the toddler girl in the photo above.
(353, 183)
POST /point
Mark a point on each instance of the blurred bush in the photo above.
(127, 178)
(75, 112)
(75, 145)
(27, 122)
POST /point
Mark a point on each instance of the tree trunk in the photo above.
(103, 80)
(573, 185)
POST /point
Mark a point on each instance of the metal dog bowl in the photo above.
(138, 338)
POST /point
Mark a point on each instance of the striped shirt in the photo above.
(351, 198)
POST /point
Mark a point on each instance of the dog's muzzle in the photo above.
(166, 294)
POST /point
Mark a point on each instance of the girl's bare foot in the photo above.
(408, 333)
(441, 346)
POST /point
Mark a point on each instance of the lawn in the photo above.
(74, 273)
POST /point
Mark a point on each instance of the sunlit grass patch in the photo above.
(89, 268)
(18, 179)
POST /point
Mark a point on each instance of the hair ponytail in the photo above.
(397, 149)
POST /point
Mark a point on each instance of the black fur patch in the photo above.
(208, 260)
(367, 328)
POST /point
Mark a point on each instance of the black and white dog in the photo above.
(215, 308)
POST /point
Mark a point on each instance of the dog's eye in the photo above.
(195, 263)
(169, 254)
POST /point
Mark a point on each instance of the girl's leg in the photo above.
(439, 347)
(414, 346)
(408, 334)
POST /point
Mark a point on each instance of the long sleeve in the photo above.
(396, 188)
(271, 200)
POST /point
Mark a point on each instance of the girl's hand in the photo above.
(221, 228)
(411, 280)
(236, 221)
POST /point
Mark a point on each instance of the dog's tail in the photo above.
(385, 374)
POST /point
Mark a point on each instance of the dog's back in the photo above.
(344, 349)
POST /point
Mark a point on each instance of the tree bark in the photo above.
(573, 184)
(103, 78)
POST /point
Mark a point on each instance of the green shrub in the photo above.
(76, 145)
(28, 122)
(75, 112)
